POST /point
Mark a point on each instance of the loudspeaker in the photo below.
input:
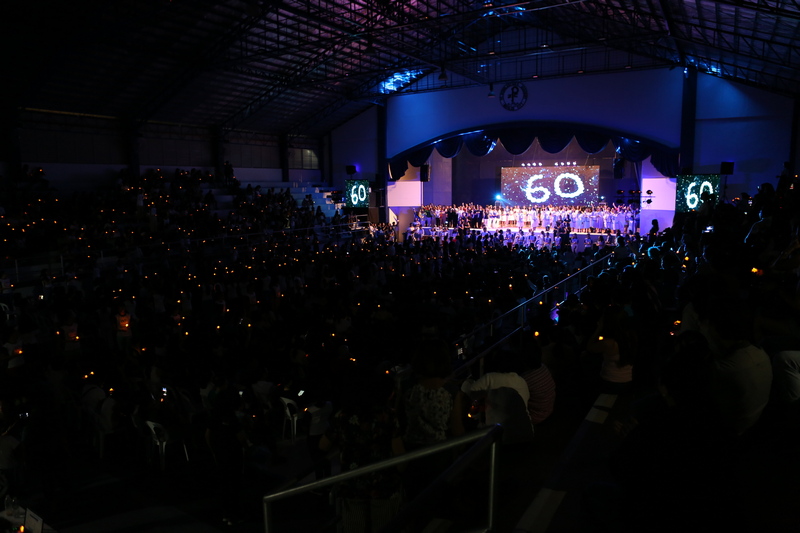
(424, 173)
(726, 168)
(350, 169)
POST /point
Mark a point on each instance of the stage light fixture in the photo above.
(491, 90)
(648, 191)
(620, 191)
(443, 75)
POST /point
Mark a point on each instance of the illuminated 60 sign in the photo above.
(540, 195)
(692, 199)
(357, 193)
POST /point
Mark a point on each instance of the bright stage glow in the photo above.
(562, 184)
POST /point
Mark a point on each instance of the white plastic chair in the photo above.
(291, 414)
(161, 438)
(10, 318)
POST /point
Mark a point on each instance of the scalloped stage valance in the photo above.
(552, 138)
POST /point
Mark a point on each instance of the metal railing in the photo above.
(487, 438)
(482, 341)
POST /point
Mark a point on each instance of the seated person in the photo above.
(506, 396)
(541, 386)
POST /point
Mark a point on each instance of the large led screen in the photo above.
(555, 185)
(356, 193)
(690, 189)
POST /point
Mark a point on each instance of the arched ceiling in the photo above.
(302, 68)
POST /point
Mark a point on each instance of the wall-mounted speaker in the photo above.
(424, 173)
(350, 169)
(726, 168)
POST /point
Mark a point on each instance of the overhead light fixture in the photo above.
(491, 90)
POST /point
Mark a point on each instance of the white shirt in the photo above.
(496, 380)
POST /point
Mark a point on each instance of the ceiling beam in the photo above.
(194, 66)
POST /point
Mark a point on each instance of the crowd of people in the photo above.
(201, 323)
(559, 218)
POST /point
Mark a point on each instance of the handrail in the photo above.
(428, 497)
(532, 298)
(522, 306)
(491, 432)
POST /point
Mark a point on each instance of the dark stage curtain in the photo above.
(449, 148)
(591, 142)
(397, 167)
(667, 162)
(421, 156)
(553, 141)
(517, 140)
(631, 150)
(479, 144)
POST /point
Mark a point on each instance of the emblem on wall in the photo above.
(513, 96)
